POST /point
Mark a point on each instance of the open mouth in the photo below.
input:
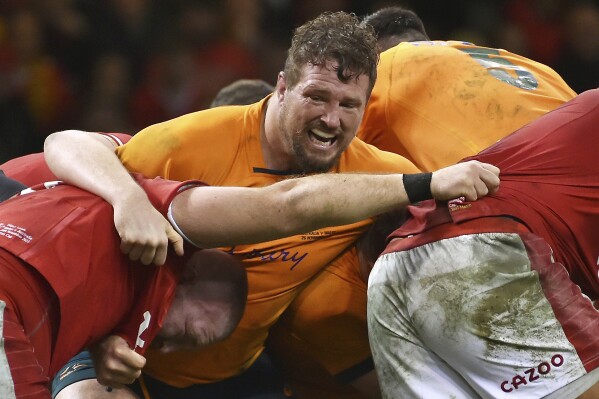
(321, 138)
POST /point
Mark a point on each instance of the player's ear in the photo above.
(281, 87)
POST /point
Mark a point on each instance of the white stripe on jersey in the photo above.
(42, 186)
(171, 218)
(114, 138)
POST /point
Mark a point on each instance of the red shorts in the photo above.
(28, 319)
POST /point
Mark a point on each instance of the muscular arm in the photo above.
(219, 216)
(87, 160)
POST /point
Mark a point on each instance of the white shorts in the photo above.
(475, 316)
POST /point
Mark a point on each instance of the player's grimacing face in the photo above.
(320, 116)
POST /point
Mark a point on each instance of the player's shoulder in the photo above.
(427, 46)
(416, 57)
(207, 119)
(200, 129)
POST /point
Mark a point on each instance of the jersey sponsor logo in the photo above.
(283, 256)
(532, 374)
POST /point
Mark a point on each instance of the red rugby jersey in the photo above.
(68, 235)
(549, 180)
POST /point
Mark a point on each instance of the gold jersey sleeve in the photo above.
(221, 146)
(438, 102)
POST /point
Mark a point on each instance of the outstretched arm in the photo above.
(220, 216)
(87, 160)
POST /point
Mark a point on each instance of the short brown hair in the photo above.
(394, 25)
(242, 92)
(337, 36)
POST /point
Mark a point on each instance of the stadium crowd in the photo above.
(121, 65)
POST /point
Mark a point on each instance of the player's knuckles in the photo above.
(473, 169)
(483, 191)
(133, 257)
(159, 259)
(123, 378)
(120, 352)
(129, 380)
(157, 242)
(145, 261)
(151, 240)
(147, 257)
(136, 252)
(112, 366)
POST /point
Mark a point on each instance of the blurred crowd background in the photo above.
(121, 65)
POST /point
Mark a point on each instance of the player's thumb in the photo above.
(175, 239)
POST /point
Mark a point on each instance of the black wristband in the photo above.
(418, 186)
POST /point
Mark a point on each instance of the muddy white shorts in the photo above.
(486, 315)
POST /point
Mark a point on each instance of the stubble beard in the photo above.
(303, 162)
(306, 164)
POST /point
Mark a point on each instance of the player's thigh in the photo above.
(406, 367)
(92, 389)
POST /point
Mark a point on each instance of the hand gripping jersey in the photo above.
(549, 181)
(221, 146)
(516, 268)
(68, 236)
(438, 102)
